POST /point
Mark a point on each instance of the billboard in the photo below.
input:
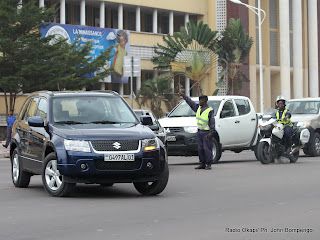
(101, 39)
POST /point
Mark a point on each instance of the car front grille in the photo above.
(120, 145)
(117, 165)
(175, 129)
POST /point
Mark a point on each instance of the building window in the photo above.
(129, 21)
(111, 17)
(163, 22)
(193, 18)
(92, 16)
(146, 21)
(178, 22)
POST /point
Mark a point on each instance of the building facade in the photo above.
(290, 39)
(290, 48)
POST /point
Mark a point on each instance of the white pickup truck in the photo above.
(236, 126)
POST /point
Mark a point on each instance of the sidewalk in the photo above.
(4, 152)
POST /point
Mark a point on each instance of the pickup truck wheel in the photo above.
(264, 155)
(216, 151)
(156, 187)
(20, 178)
(314, 145)
(53, 181)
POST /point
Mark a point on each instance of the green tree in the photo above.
(156, 91)
(29, 62)
(234, 48)
(190, 52)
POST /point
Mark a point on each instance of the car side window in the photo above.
(228, 110)
(32, 109)
(243, 106)
(42, 108)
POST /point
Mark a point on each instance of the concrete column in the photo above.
(285, 48)
(120, 16)
(102, 14)
(297, 49)
(41, 3)
(186, 18)
(187, 87)
(313, 48)
(155, 21)
(120, 26)
(83, 12)
(138, 20)
(138, 83)
(63, 11)
(121, 89)
(19, 6)
(171, 24)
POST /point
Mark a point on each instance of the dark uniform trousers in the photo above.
(205, 146)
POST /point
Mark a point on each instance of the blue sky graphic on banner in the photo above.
(101, 38)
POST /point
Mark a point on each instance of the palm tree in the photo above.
(190, 52)
(155, 91)
(234, 47)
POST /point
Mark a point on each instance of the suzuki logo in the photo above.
(116, 145)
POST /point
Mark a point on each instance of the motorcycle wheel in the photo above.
(294, 157)
(264, 155)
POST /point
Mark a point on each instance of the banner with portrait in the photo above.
(100, 38)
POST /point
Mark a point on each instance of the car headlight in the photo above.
(191, 129)
(150, 144)
(77, 145)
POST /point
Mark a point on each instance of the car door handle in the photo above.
(237, 121)
(253, 119)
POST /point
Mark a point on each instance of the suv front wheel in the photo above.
(53, 181)
(156, 187)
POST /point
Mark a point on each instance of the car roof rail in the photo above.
(105, 91)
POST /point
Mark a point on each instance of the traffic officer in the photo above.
(206, 127)
(283, 116)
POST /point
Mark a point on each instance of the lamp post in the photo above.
(258, 12)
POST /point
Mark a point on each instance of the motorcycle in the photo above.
(271, 145)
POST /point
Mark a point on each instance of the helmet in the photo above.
(281, 98)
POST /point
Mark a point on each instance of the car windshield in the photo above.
(184, 110)
(91, 109)
(303, 107)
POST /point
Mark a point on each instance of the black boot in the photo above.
(201, 166)
(208, 167)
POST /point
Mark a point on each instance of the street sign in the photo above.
(131, 66)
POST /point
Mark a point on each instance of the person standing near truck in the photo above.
(206, 128)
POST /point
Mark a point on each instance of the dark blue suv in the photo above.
(85, 137)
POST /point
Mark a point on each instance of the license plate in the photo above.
(171, 138)
(119, 157)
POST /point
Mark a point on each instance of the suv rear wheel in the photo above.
(53, 181)
(20, 178)
(156, 187)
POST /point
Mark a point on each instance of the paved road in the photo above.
(239, 194)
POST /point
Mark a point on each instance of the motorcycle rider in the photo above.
(283, 116)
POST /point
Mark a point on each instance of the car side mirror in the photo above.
(36, 121)
(167, 114)
(154, 127)
(146, 120)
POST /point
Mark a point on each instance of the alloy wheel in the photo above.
(15, 168)
(53, 176)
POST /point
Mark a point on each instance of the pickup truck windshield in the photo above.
(303, 107)
(183, 109)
